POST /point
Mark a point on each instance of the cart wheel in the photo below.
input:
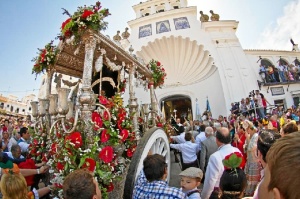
(154, 140)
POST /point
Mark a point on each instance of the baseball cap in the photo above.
(192, 172)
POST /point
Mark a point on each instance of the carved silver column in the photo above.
(133, 104)
(86, 97)
(153, 103)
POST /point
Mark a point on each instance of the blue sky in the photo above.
(28, 25)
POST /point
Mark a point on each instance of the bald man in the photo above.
(215, 166)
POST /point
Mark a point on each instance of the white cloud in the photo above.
(277, 34)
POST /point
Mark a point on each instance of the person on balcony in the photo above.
(263, 73)
(281, 71)
(271, 75)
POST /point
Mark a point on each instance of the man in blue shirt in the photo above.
(151, 182)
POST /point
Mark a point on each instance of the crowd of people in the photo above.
(281, 73)
(209, 152)
(243, 155)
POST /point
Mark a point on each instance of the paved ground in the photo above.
(175, 170)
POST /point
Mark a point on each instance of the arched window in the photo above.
(11, 109)
(266, 62)
(283, 62)
(2, 105)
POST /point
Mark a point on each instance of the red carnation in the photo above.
(65, 23)
(107, 154)
(110, 187)
(124, 134)
(60, 166)
(76, 139)
(104, 136)
(86, 13)
(90, 164)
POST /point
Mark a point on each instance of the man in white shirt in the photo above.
(22, 142)
(200, 138)
(215, 166)
(189, 152)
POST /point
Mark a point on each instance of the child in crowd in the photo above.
(190, 180)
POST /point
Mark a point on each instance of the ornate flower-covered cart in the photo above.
(90, 127)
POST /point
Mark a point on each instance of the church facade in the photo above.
(204, 60)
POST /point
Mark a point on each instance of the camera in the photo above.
(251, 94)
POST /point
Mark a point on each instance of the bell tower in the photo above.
(150, 7)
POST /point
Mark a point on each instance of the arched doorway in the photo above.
(109, 82)
(177, 106)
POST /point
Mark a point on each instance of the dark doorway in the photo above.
(180, 104)
(110, 83)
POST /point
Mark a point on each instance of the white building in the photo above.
(203, 60)
(11, 105)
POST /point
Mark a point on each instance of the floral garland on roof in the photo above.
(45, 59)
(87, 17)
(109, 154)
(158, 73)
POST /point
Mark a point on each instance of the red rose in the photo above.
(104, 136)
(60, 166)
(110, 187)
(107, 154)
(90, 164)
(86, 13)
(124, 134)
(158, 63)
(65, 23)
(75, 138)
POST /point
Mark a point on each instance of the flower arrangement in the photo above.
(38, 148)
(45, 59)
(84, 18)
(108, 155)
(233, 161)
(158, 73)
